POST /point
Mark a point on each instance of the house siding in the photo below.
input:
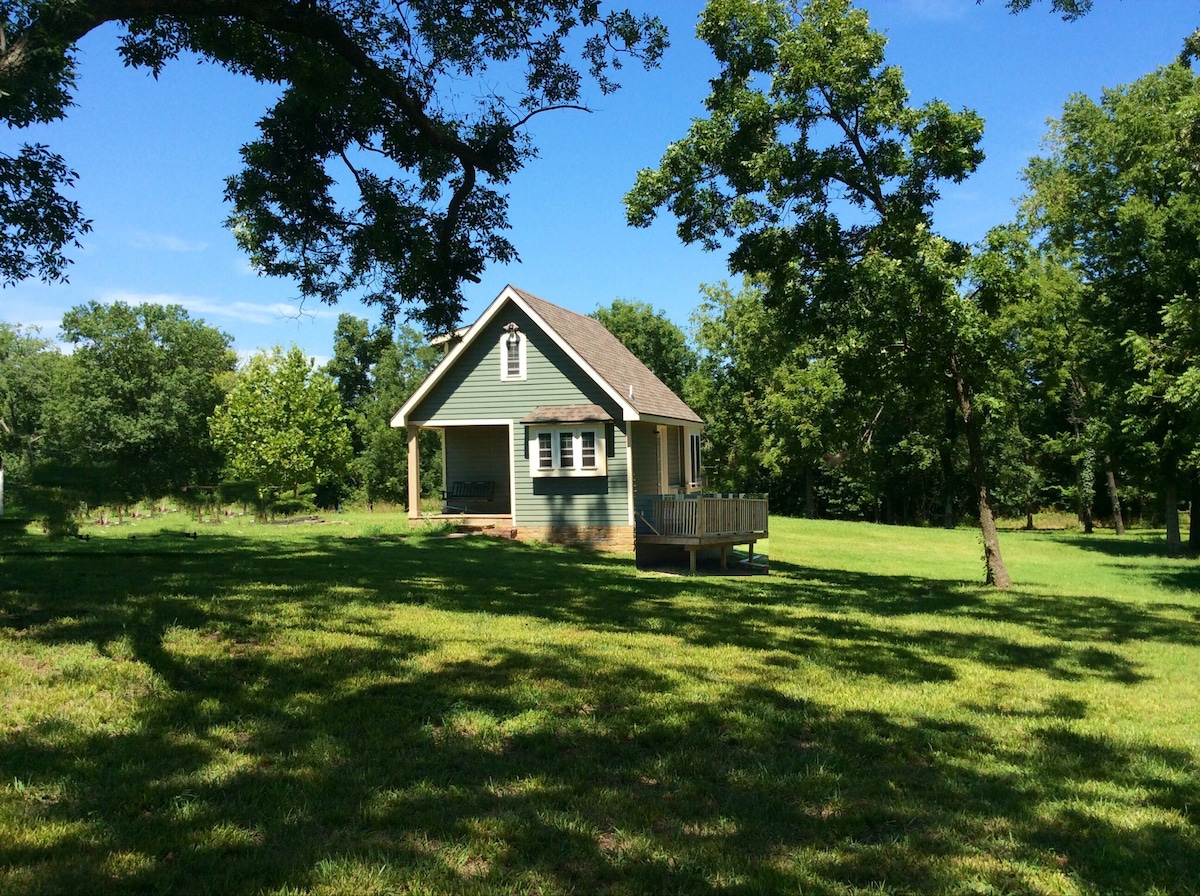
(472, 390)
(645, 459)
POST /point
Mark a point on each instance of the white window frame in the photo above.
(695, 460)
(556, 435)
(505, 376)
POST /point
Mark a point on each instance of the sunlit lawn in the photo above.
(348, 707)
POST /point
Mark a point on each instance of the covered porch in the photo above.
(699, 522)
(476, 482)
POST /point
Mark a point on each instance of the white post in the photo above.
(414, 472)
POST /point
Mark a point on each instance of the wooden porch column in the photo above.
(414, 472)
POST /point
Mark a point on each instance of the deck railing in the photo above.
(704, 515)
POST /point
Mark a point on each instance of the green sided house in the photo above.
(551, 428)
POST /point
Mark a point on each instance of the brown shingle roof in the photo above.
(611, 360)
(567, 413)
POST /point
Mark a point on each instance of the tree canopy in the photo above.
(282, 425)
(130, 410)
(28, 369)
(375, 172)
(813, 162)
(1119, 190)
(652, 338)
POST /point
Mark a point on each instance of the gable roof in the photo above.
(609, 357)
(599, 353)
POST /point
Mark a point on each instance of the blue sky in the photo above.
(152, 157)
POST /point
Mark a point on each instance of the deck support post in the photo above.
(414, 472)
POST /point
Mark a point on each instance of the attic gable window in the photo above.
(512, 354)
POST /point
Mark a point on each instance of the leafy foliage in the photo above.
(281, 425)
(816, 167)
(376, 373)
(652, 338)
(129, 414)
(28, 371)
(1120, 190)
(37, 221)
(380, 168)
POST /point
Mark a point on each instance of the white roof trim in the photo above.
(400, 418)
(672, 421)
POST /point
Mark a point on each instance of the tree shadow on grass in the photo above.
(358, 758)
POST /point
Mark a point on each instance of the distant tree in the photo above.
(28, 367)
(131, 408)
(813, 163)
(379, 169)
(1119, 190)
(282, 425)
(652, 338)
(1065, 409)
(375, 373)
(383, 465)
(356, 351)
(772, 407)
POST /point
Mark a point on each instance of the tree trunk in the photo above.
(810, 496)
(1028, 520)
(1118, 519)
(1173, 543)
(996, 572)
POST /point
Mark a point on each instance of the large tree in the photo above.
(130, 411)
(1119, 188)
(814, 164)
(381, 167)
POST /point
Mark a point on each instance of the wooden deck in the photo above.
(706, 521)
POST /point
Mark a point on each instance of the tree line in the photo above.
(151, 404)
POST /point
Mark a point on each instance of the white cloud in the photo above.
(247, 312)
(164, 242)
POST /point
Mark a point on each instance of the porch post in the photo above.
(414, 472)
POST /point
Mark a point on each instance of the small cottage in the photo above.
(553, 429)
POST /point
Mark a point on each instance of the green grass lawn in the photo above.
(348, 707)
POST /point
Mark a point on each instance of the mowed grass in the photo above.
(353, 708)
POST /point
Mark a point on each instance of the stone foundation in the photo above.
(600, 538)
